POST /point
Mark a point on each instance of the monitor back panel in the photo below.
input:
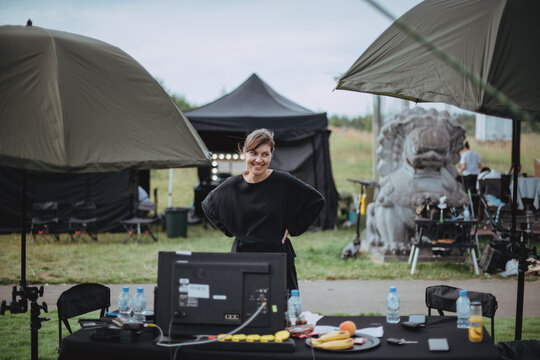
(211, 293)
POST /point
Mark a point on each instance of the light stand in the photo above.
(21, 296)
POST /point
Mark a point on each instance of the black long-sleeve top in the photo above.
(257, 214)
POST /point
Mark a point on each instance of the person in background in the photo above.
(261, 207)
(487, 173)
(470, 166)
(511, 171)
(142, 195)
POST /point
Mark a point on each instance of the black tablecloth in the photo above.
(79, 345)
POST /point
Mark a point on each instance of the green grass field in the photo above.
(111, 261)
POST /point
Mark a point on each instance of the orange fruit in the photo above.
(348, 326)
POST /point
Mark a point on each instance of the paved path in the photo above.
(361, 296)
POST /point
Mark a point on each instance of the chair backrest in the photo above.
(490, 186)
(443, 298)
(143, 208)
(505, 187)
(45, 210)
(81, 299)
(83, 209)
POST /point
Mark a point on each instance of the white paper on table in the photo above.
(311, 318)
(324, 329)
(376, 331)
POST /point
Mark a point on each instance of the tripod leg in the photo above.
(475, 263)
(415, 259)
(411, 254)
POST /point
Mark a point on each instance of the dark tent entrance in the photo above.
(301, 136)
(113, 193)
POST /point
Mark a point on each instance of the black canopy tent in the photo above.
(301, 135)
(114, 194)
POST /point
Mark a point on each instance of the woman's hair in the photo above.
(257, 138)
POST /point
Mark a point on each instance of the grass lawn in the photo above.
(111, 261)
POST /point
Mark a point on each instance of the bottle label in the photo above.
(475, 328)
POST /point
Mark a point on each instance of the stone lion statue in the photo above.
(418, 151)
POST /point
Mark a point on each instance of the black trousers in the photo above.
(469, 181)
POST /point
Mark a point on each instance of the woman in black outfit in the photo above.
(261, 206)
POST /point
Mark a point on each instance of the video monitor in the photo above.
(210, 293)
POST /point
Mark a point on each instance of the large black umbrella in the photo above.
(479, 55)
(69, 103)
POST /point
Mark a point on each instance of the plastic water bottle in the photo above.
(294, 308)
(124, 302)
(466, 213)
(463, 310)
(139, 305)
(392, 306)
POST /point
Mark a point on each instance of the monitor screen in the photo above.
(211, 293)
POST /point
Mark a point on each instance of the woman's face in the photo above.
(257, 160)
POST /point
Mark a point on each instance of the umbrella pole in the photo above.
(516, 239)
(25, 294)
(23, 230)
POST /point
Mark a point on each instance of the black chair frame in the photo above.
(82, 222)
(79, 300)
(44, 219)
(139, 226)
(443, 298)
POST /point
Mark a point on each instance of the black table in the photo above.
(79, 345)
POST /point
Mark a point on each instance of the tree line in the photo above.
(362, 123)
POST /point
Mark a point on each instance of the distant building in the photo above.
(493, 128)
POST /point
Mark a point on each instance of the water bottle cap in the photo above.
(294, 292)
(392, 289)
(140, 289)
(462, 292)
(125, 289)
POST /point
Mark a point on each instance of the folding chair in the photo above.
(82, 221)
(443, 298)
(138, 227)
(44, 219)
(81, 299)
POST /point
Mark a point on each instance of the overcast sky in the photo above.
(202, 49)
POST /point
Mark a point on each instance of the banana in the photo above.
(267, 338)
(224, 337)
(282, 335)
(239, 337)
(331, 336)
(342, 344)
(253, 337)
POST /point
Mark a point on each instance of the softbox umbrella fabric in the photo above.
(70, 103)
(495, 39)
